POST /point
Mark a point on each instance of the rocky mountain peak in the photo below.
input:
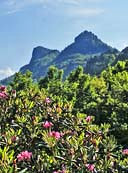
(86, 36)
(85, 43)
(39, 52)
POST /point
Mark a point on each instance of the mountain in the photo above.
(86, 50)
(85, 43)
(86, 46)
(40, 61)
(123, 55)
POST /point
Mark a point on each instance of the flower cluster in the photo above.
(125, 152)
(47, 100)
(24, 156)
(2, 88)
(3, 94)
(88, 119)
(47, 124)
(90, 167)
(56, 135)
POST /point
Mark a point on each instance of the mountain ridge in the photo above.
(87, 50)
(40, 61)
(85, 43)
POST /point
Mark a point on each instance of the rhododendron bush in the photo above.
(42, 133)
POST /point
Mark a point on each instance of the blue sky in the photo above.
(25, 24)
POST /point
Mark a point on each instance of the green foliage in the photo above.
(87, 122)
(22, 81)
(97, 64)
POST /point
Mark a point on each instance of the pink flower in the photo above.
(47, 100)
(2, 88)
(90, 167)
(88, 118)
(54, 134)
(125, 152)
(47, 124)
(24, 156)
(3, 95)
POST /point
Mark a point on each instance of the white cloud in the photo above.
(85, 12)
(14, 6)
(6, 72)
